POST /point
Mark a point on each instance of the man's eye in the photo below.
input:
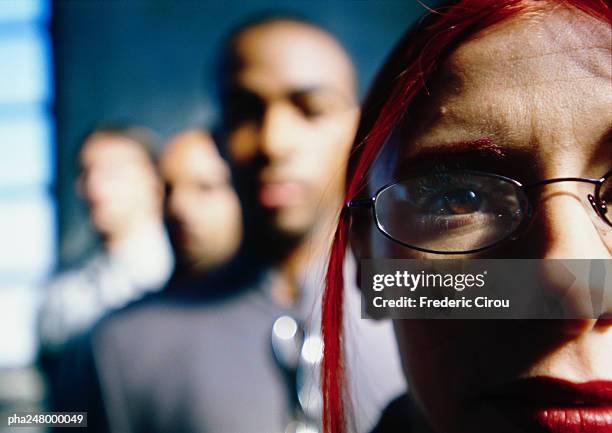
(311, 110)
(205, 187)
(313, 106)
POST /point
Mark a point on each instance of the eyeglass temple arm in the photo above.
(565, 179)
(361, 202)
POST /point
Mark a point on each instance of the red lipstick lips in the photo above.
(549, 405)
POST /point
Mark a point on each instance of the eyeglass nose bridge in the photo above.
(600, 208)
(524, 224)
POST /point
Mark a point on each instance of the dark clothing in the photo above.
(395, 418)
(402, 416)
(73, 386)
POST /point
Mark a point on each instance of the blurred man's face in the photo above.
(202, 208)
(119, 183)
(290, 118)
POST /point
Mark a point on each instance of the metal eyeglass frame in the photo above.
(600, 207)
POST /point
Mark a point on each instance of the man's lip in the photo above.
(281, 193)
(548, 391)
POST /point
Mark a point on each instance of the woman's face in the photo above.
(531, 99)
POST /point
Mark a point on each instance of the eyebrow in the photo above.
(292, 93)
(308, 90)
(483, 149)
(484, 146)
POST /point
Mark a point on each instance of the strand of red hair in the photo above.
(404, 75)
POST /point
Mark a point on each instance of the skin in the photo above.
(120, 185)
(290, 121)
(202, 208)
(538, 86)
(290, 115)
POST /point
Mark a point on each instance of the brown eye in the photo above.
(459, 201)
(310, 106)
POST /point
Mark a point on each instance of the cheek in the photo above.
(427, 359)
(438, 372)
(384, 248)
(336, 133)
(123, 192)
(219, 211)
(230, 208)
(328, 146)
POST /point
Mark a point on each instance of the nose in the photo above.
(277, 132)
(563, 228)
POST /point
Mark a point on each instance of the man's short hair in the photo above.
(225, 59)
(144, 137)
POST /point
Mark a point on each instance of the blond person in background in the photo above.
(118, 181)
(202, 210)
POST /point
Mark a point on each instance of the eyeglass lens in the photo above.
(459, 211)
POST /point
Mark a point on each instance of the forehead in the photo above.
(540, 77)
(282, 55)
(192, 157)
(102, 147)
(546, 45)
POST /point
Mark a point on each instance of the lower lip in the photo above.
(583, 419)
(281, 194)
(575, 420)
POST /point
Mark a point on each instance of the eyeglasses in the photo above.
(464, 211)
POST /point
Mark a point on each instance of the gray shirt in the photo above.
(180, 362)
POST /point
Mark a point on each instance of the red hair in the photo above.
(418, 54)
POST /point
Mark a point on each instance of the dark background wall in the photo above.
(150, 62)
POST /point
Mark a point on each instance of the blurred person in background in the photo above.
(119, 182)
(239, 352)
(202, 210)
